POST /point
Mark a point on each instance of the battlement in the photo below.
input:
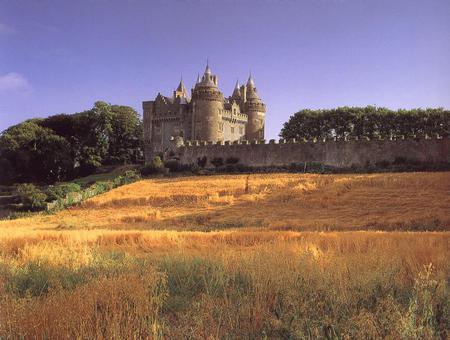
(195, 143)
(333, 152)
(233, 117)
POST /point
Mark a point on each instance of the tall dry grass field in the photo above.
(262, 256)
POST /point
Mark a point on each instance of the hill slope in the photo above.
(88, 273)
(400, 201)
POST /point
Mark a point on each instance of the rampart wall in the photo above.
(339, 153)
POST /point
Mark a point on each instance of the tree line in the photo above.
(64, 146)
(370, 121)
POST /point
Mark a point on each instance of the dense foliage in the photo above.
(63, 146)
(370, 121)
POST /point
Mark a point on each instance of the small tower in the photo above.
(255, 110)
(207, 108)
(181, 91)
(236, 96)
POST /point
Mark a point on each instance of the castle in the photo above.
(205, 115)
(207, 126)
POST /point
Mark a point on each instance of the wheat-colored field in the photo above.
(273, 202)
(274, 256)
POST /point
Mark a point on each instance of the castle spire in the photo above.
(237, 90)
(237, 86)
(251, 89)
(250, 82)
(181, 90)
(207, 69)
(181, 87)
(208, 79)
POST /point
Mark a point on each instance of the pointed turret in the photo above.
(250, 81)
(207, 69)
(207, 104)
(236, 92)
(181, 91)
(181, 87)
(208, 78)
(255, 110)
(251, 89)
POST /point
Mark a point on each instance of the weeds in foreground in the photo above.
(251, 285)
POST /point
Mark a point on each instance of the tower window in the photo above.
(232, 130)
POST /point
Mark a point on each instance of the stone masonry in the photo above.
(339, 154)
(204, 115)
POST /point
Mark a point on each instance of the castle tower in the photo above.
(255, 110)
(181, 91)
(236, 92)
(207, 108)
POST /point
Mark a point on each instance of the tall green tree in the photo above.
(370, 121)
(125, 140)
(30, 152)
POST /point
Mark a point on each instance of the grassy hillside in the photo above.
(234, 260)
(401, 201)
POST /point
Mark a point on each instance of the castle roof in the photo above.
(250, 81)
(251, 89)
(181, 87)
(208, 79)
(237, 90)
(207, 69)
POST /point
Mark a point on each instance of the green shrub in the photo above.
(131, 176)
(101, 187)
(55, 192)
(155, 167)
(31, 196)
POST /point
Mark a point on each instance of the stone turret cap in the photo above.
(207, 79)
(181, 87)
(250, 82)
(237, 90)
(207, 69)
(251, 89)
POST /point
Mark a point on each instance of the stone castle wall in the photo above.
(341, 154)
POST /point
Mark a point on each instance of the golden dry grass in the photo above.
(274, 201)
(231, 257)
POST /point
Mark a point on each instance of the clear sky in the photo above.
(62, 56)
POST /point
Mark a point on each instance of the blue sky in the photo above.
(62, 56)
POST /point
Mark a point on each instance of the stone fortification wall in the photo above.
(341, 154)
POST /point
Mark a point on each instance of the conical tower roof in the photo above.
(208, 78)
(250, 81)
(181, 87)
(237, 90)
(208, 69)
(251, 89)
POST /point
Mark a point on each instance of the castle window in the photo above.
(232, 130)
(241, 130)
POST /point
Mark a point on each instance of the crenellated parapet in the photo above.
(207, 93)
(337, 153)
(255, 106)
(315, 140)
(234, 117)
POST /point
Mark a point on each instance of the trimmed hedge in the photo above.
(97, 188)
